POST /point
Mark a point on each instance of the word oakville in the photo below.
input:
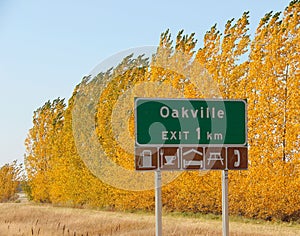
(202, 113)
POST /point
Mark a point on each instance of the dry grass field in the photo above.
(30, 219)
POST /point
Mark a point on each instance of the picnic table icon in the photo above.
(215, 156)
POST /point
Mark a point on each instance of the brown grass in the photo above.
(30, 219)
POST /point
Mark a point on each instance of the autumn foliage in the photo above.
(10, 180)
(264, 69)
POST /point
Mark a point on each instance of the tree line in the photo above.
(263, 69)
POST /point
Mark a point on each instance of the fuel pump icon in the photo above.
(145, 159)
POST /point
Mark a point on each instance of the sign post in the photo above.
(225, 219)
(158, 204)
(190, 134)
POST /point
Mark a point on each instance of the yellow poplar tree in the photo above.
(47, 123)
(10, 179)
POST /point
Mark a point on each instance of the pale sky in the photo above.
(46, 47)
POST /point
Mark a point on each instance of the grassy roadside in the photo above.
(34, 219)
(237, 219)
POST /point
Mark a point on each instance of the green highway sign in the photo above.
(190, 122)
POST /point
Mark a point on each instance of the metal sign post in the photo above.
(158, 204)
(225, 219)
